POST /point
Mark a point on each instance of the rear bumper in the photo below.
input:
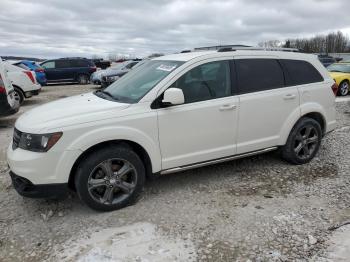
(33, 92)
(26, 188)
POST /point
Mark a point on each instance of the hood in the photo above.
(67, 112)
(338, 74)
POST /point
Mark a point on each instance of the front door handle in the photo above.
(289, 97)
(227, 107)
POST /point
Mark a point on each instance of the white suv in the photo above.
(170, 114)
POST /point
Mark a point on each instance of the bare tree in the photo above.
(270, 43)
(334, 42)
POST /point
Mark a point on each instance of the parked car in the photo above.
(8, 104)
(103, 64)
(118, 68)
(33, 66)
(340, 72)
(23, 81)
(171, 114)
(114, 73)
(326, 60)
(72, 69)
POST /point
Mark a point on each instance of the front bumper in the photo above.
(26, 188)
(52, 167)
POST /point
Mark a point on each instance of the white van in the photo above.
(170, 114)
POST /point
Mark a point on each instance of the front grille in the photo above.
(16, 138)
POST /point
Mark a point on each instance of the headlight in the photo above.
(112, 78)
(38, 143)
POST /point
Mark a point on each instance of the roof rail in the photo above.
(229, 49)
(73, 57)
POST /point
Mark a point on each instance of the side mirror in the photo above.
(173, 96)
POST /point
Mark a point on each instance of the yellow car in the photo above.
(340, 72)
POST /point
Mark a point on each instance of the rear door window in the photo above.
(63, 64)
(300, 72)
(254, 75)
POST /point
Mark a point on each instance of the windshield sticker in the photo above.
(167, 68)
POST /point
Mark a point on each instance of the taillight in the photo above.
(40, 70)
(30, 75)
(93, 68)
(335, 89)
(2, 88)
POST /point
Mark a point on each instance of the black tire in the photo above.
(19, 96)
(83, 79)
(343, 88)
(299, 149)
(93, 186)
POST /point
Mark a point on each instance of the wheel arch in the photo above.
(81, 74)
(315, 113)
(18, 87)
(137, 148)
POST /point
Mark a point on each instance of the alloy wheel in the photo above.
(306, 142)
(344, 88)
(17, 96)
(112, 181)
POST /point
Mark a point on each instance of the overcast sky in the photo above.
(56, 28)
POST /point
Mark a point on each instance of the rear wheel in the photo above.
(303, 142)
(110, 178)
(19, 96)
(343, 88)
(83, 79)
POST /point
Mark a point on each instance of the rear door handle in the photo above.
(227, 107)
(289, 97)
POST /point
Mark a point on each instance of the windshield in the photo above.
(339, 68)
(135, 84)
(117, 66)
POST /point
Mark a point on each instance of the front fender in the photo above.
(104, 134)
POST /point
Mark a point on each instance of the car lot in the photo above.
(256, 208)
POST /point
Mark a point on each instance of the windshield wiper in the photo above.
(336, 71)
(106, 94)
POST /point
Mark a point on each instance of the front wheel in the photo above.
(110, 178)
(344, 88)
(303, 142)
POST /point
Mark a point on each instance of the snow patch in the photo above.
(140, 242)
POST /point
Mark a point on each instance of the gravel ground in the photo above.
(259, 209)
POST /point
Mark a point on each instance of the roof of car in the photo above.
(210, 54)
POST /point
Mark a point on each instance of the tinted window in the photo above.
(48, 65)
(255, 75)
(79, 63)
(63, 64)
(300, 72)
(204, 82)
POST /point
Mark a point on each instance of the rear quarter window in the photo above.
(254, 75)
(80, 63)
(299, 72)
